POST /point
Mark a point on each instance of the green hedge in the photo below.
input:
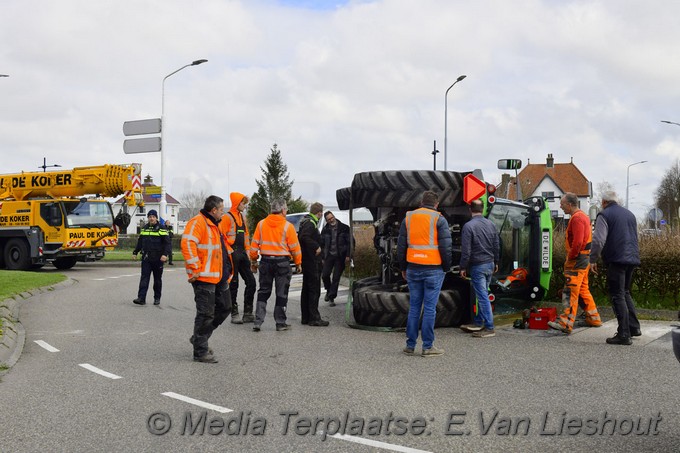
(656, 283)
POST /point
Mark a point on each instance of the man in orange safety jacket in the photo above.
(275, 241)
(577, 242)
(208, 266)
(236, 229)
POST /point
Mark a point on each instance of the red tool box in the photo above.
(539, 319)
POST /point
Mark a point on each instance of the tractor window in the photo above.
(88, 214)
(514, 231)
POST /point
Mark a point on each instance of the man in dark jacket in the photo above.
(335, 240)
(480, 253)
(310, 243)
(154, 243)
(615, 238)
(168, 226)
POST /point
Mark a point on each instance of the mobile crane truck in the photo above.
(62, 216)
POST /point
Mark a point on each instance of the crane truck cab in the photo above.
(62, 217)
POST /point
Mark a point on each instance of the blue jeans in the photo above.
(480, 274)
(424, 286)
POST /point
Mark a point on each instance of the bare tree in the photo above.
(194, 201)
(667, 196)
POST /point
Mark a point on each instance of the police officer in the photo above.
(154, 243)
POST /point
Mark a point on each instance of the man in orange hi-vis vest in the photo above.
(204, 259)
(424, 253)
(578, 242)
(275, 242)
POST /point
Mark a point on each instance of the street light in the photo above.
(446, 108)
(670, 122)
(164, 205)
(4, 75)
(628, 178)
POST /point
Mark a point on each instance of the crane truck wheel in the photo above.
(380, 305)
(17, 257)
(64, 263)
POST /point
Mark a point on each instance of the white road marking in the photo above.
(377, 444)
(46, 345)
(94, 369)
(196, 402)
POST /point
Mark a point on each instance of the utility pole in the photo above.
(434, 154)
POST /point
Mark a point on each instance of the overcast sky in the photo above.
(343, 87)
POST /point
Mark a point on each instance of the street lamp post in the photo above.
(628, 178)
(446, 108)
(4, 75)
(164, 204)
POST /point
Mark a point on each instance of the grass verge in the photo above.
(16, 282)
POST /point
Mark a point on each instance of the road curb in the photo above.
(13, 335)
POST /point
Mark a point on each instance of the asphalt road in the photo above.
(292, 391)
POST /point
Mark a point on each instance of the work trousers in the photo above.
(242, 268)
(213, 304)
(575, 288)
(149, 267)
(274, 274)
(333, 267)
(619, 280)
(311, 291)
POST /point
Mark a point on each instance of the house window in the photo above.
(553, 213)
(548, 195)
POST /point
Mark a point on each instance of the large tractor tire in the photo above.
(404, 188)
(382, 306)
(64, 263)
(17, 255)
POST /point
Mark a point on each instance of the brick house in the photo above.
(550, 180)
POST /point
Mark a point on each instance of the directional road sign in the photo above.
(142, 145)
(142, 127)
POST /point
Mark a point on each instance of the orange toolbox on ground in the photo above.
(539, 319)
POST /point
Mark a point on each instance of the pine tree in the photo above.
(275, 183)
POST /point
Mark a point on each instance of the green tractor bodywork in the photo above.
(381, 302)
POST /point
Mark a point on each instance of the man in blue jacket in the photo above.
(616, 239)
(480, 252)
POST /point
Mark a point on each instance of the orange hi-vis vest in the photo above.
(202, 250)
(421, 234)
(275, 237)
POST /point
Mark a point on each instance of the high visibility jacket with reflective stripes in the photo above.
(274, 236)
(235, 224)
(153, 240)
(202, 249)
(422, 238)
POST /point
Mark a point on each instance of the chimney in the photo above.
(505, 183)
(148, 179)
(550, 162)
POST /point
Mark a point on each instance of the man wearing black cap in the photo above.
(154, 243)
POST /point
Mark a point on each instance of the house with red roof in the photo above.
(550, 180)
